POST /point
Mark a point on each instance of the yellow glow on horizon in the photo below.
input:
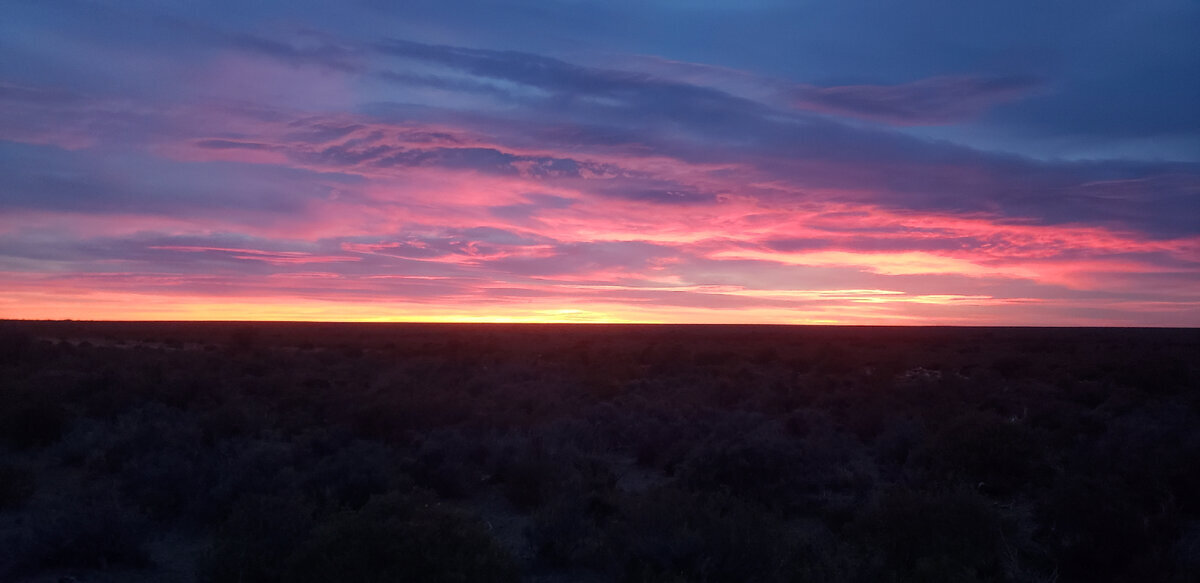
(838, 307)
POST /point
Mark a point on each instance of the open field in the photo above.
(379, 452)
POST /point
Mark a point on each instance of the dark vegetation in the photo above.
(317, 452)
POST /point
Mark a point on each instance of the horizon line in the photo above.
(597, 324)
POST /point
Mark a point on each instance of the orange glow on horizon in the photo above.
(831, 307)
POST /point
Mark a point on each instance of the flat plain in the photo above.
(226, 451)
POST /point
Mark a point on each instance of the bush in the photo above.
(257, 538)
(769, 472)
(997, 456)
(395, 538)
(528, 483)
(82, 530)
(15, 346)
(29, 420)
(16, 486)
(1094, 528)
(923, 536)
(671, 535)
(570, 532)
(349, 475)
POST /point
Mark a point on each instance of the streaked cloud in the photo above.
(322, 166)
(932, 101)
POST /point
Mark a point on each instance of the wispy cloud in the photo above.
(292, 172)
(932, 101)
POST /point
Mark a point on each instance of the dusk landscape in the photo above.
(570, 290)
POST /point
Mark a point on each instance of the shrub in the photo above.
(570, 531)
(672, 535)
(997, 456)
(763, 471)
(396, 538)
(528, 483)
(82, 530)
(953, 537)
(16, 486)
(257, 538)
(15, 346)
(1093, 527)
(29, 420)
(348, 476)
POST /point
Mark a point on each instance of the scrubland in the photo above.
(222, 452)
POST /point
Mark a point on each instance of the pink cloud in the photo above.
(272, 257)
(395, 215)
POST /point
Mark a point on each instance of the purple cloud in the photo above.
(933, 101)
(217, 157)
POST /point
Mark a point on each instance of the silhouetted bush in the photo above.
(571, 531)
(1093, 528)
(998, 456)
(16, 346)
(91, 529)
(1186, 554)
(396, 538)
(31, 419)
(927, 536)
(16, 485)
(767, 472)
(348, 475)
(528, 483)
(259, 536)
(671, 535)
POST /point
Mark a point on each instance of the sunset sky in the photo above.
(748, 161)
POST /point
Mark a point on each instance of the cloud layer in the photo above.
(321, 167)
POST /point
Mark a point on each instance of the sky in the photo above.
(711, 161)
